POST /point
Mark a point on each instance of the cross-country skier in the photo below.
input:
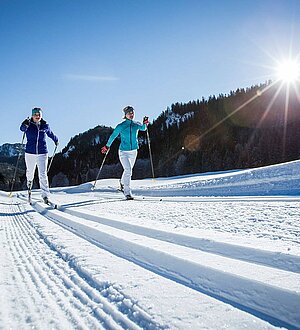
(36, 153)
(128, 132)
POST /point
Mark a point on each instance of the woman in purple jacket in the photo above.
(36, 153)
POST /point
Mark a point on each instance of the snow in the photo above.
(67, 153)
(175, 118)
(203, 251)
(10, 150)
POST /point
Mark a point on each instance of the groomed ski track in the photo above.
(62, 296)
(225, 272)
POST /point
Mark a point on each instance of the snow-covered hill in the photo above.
(211, 251)
(10, 150)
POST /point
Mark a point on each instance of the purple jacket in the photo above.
(36, 137)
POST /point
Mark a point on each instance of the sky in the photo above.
(216, 251)
(83, 61)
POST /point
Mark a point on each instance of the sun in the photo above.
(288, 71)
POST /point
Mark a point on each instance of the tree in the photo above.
(2, 178)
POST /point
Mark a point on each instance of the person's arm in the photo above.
(113, 136)
(143, 127)
(51, 135)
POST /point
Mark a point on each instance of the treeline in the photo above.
(247, 128)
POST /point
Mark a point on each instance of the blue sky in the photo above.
(82, 61)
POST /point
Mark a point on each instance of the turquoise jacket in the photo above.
(128, 131)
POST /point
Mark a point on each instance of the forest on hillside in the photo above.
(247, 128)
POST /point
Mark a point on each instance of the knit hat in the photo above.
(36, 110)
(128, 109)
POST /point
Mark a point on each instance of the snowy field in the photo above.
(210, 251)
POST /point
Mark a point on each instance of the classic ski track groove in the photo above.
(106, 236)
(268, 258)
(83, 305)
(36, 275)
(273, 259)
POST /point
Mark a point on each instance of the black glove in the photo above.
(26, 122)
(146, 120)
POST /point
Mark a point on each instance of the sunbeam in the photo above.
(286, 109)
(199, 138)
(283, 77)
(266, 112)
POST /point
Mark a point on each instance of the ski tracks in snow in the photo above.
(249, 279)
(61, 297)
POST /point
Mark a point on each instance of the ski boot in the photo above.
(129, 197)
(121, 187)
(46, 200)
(29, 186)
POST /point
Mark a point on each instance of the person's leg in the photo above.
(127, 159)
(30, 161)
(42, 163)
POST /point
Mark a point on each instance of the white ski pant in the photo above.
(41, 161)
(127, 159)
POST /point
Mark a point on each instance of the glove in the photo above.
(146, 120)
(26, 122)
(104, 149)
(56, 143)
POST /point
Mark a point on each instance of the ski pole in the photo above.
(52, 158)
(150, 153)
(19, 155)
(100, 169)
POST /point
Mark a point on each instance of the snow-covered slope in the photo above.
(211, 251)
(10, 150)
(281, 179)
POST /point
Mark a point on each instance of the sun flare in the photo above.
(288, 71)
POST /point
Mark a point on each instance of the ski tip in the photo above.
(54, 206)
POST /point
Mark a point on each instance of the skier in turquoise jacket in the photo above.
(128, 132)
